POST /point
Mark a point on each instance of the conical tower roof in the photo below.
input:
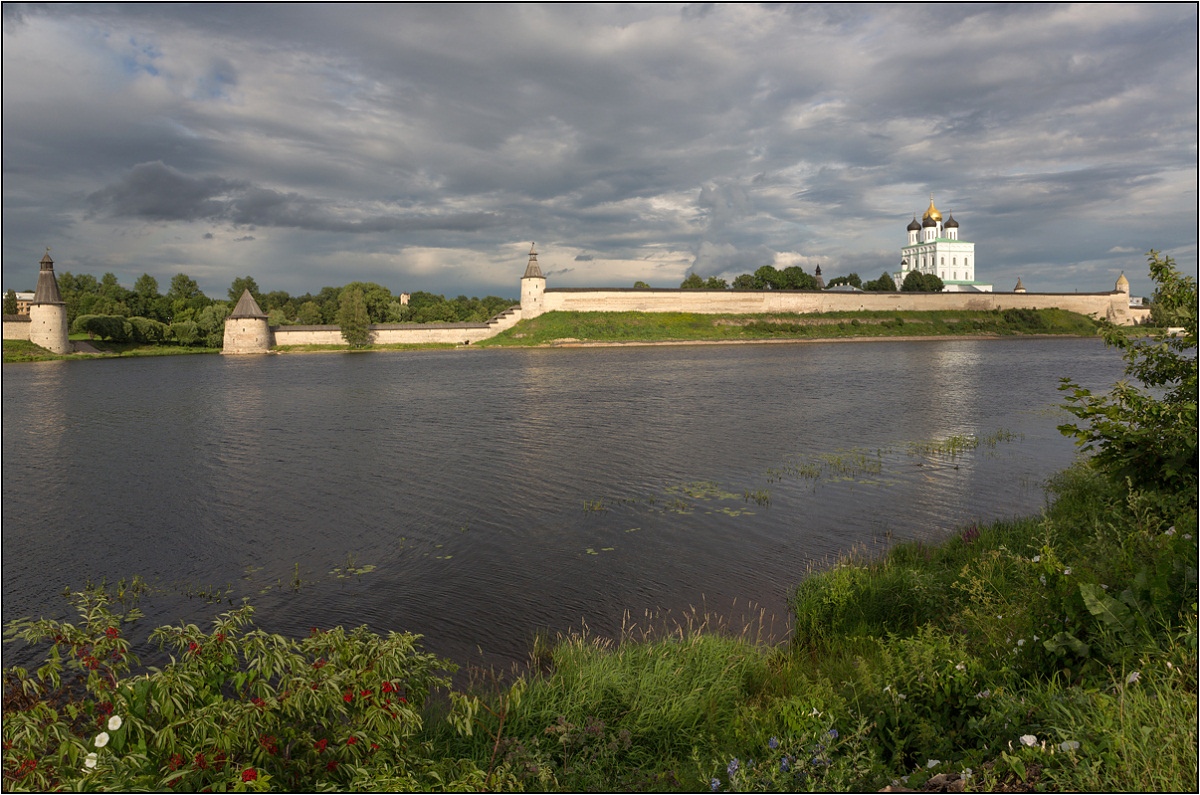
(247, 307)
(47, 285)
(532, 271)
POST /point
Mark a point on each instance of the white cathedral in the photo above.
(934, 247)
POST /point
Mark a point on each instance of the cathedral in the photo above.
(934, 247)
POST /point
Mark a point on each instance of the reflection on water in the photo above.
(497, 493)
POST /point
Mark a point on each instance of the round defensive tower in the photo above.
(533, 287)
(246, 329)
(48, 312)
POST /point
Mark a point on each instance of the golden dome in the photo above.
(932, 212)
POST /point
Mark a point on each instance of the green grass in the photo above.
(555, 327)
(25, 351)
(947, 652)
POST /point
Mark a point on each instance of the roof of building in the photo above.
(915, 226)
(950, 222)
(532, 271)
(247, 307)
(932, 213)
(47, 286)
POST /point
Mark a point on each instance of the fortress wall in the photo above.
(1113, 306)
(389, 334)
(16, 329)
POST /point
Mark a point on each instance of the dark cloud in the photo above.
(156, 192)
(424, 143)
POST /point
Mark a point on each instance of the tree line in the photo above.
(103, 308)
(794, 277)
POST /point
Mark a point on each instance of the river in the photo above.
(480, 496)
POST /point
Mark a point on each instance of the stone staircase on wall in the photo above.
(504, 320)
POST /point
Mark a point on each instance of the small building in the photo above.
(24, 299)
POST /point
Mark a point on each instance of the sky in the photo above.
(426, 147)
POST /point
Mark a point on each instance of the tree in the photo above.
(310, 314)
(767, 278)
(714, 283)
(744, 282)
(883, 284)
(853, 280)
(640, 285)
(917, 282)
(183, 288)
(10, 302)
(146, 286)
(377, 297)
(147, 330)
(185, 332)
(1147, 441)
(692, 282)
(242, 284)
(352, 317)
(211, 319)
(793, 277)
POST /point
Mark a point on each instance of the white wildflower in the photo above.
(967, 773)
(101, 739)
(1105, 587)
(114, 723)
(1037, 558)
(960, 667)
(1187, 536)
(1021, 642)
(1042, 578)
(1170, 532)
(89, 761)
(1133, 677)
(1067, 571)
(1069, 745)
(933, 763)
(1028, 740)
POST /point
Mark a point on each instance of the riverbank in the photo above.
(557, 328)
(1056, 652)
(611, 329)
(25, 351)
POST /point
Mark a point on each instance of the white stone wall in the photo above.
(48, 327)
(1114, 306)
(405, 333)
(16, 330)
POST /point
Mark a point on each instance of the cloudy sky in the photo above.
(425, 147)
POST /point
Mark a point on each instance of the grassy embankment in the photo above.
(25, 351)
(1075, 630)
(558, 327)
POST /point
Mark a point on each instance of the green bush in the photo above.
(185, 332)
(1148, 441)
(236, 708)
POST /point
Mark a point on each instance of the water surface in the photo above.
(497, 493)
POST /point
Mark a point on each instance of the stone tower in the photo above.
(48, 313)
(246, 329)
(533, 287)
